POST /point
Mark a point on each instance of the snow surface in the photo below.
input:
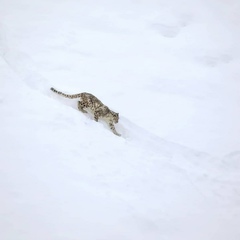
(171, 69)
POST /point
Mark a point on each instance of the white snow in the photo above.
(171, 69)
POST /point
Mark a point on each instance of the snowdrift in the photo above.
(65, 177)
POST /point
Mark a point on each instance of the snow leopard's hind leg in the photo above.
(81, 107)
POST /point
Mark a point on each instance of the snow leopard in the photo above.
(88, 101)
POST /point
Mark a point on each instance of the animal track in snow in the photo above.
(212, 61)
(172, 27)
(233, 160)
(165, 30)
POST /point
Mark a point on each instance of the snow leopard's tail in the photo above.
(66, 95)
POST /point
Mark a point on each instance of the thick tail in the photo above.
(64, 94)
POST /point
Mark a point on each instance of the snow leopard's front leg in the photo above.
(111, 125)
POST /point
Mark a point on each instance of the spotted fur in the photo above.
(89, 102)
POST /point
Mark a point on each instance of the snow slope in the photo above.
(63, 176)
(182, 56)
